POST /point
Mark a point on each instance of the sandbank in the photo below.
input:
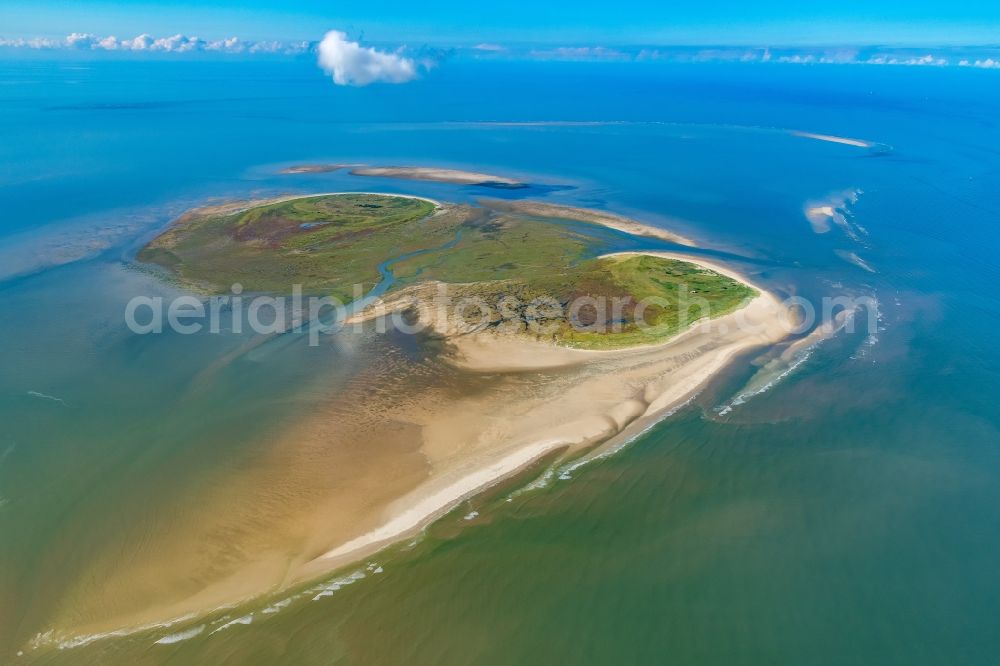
(830, 138)
(439, 175)
(596, 395)
(432, 174)
(314, 168)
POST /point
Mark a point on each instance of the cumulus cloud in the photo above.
(144, 42)
(910, 61)
(580, 53)
(33, 43)
(988, 63)
(79, 40)
(351, 64)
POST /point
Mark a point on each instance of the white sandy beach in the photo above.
(599, 396)
(431, 174)
(829, 138)
(434, 174)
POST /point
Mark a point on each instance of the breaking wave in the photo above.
(790, 360)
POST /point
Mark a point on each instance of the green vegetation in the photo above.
(603, 303)
(675, 293)
(516, 261)
(326, 243)
(508, 262)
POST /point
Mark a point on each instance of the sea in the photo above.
(831, 502)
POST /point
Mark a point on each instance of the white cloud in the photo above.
(912, 61)
(351, 64)
(988, 63)
(580, 53)
(179, 44)
(80, 40)
(798, 59)
(34, 43)
(144, 42)
(230, 45)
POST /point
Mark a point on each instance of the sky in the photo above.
(556, 23)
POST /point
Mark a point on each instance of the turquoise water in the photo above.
(844, 515)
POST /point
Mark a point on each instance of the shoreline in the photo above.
(831, 138)
(240, 205)
(488, 353)
(422, 173)
(548, 400)
(436, 175)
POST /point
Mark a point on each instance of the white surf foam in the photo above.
(46, 396)
(278, 606)
(327, 589)
(566, 472)
(243, 619)
(791, 359)
(64, 642)
(181, 635)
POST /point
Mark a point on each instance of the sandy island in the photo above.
(431, 174)
(490, 407)
(602, 395)
(438, 175)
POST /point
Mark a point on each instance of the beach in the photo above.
(437, 174)
(602, 395)
(829, 138)
(429, 174)
(494, 405)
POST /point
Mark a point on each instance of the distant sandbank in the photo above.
(431, 174)
(830, 138)
(315, 168)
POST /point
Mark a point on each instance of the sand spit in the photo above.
(611, 220)
(432, 174)
(595, 396)
(438, 175)
(847, 141)
(315, 168)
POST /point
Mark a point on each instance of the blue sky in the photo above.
(620, 22)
